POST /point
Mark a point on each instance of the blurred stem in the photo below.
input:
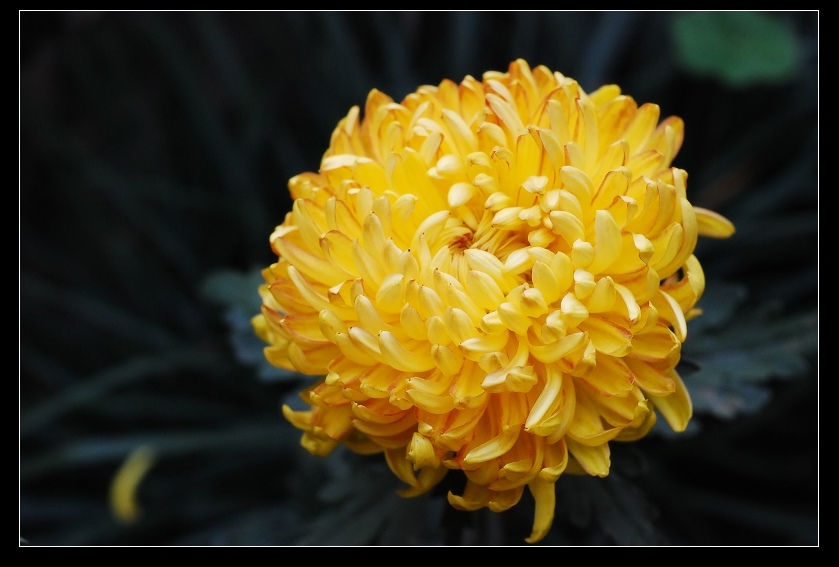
(101, 384)
(264, 433)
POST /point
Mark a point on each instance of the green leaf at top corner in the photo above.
(739, 48)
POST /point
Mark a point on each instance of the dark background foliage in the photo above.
(154, 153)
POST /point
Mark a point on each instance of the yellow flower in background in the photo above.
(494, 277)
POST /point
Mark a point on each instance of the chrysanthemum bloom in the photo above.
(492, 276)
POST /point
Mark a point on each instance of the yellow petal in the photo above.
(670, 311)
(567, 225)
(611, 376)
(656, 344)
(551, 352)
(427, 479)
(547, 398)
(577, 182)
(676, 408)
(387, 430)
(555, 461)
(396, 355)
(377, 411)
(650, 379)
(608, 336)
(493, 448)
(607, 242)
(713, 224)
(401, 466)
(460, 193)
(124, 486)
(544, 493)
(421, 452)
(595, 459)
(513, 318)
(603, 296)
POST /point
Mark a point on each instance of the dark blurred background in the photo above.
(155, 148)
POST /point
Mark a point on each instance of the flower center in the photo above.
(461, 242)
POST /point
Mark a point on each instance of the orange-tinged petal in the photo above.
(656, 344)
(466, 387)
(427, 479)
(641, 427)
(422, 453)
(438, 403)
(474, 497)
(493, 448)
(377, 411)
(611, 376)
(650, 379)
(402, 467)
(395, 428)
(608, 336)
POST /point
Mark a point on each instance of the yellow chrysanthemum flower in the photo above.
(492, 276)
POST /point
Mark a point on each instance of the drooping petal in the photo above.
(677, 407)
(544, 493)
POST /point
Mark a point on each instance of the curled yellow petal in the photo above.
(125, 484)
(494, 447)
(401, 358)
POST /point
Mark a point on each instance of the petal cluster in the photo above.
(493, 276)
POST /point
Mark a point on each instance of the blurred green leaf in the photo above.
(238, 293)
(736, 350)
(360, 505)
(97, 313)
(625, 513)
(608, 511)
(739, 48)
(98, 386)
(249, 436)
(234, 289)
